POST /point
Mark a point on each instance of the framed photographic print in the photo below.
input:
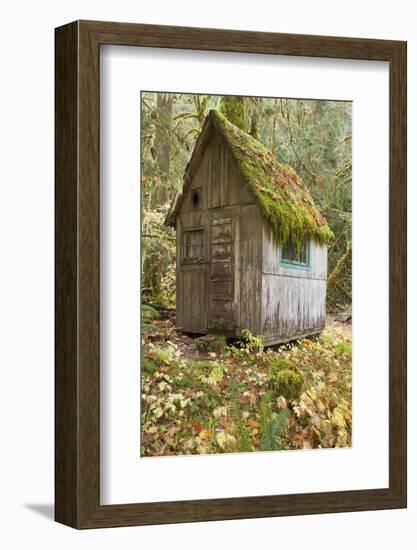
(230, 274)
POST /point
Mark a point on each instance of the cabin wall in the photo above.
(209, 289)
(250, 269)
(293, 300)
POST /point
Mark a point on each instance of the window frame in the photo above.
(186, 258)
(290, 264)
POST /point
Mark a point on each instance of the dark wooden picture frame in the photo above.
(77, 372)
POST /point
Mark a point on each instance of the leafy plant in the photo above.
(243, 438)
(168, 354)
(250, 342)
(273, 425)
(276, 365)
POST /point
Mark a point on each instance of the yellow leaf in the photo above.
(225, 441)
(281, 402)
(220, 411)
(221, 439)
(204, 434)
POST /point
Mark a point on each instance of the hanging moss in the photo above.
(283, 198)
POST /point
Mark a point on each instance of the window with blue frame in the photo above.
(294, 256)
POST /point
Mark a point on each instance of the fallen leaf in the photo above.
(281, 402)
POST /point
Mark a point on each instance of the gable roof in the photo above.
(281, 195)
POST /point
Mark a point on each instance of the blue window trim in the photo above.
(295, 265)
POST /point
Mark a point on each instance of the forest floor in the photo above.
(209, 396)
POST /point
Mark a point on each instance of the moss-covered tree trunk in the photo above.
(232, 107)
(154, 254)
(339, 282)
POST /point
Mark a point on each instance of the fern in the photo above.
(273, 426)
(243, 438)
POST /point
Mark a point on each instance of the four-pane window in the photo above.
(297, 255)
(194, 244)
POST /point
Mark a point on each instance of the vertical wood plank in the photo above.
(66, 266)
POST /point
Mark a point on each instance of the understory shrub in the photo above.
(250, 342)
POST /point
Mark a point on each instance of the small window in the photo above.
(193, 244)
(196, 198)
(296, 256)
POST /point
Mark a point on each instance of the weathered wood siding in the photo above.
(250, 269)
(293, 300)
(221, 277)
(208, 290)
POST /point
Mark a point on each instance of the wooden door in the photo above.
(221, 276)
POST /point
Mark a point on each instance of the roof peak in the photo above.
(283, 197)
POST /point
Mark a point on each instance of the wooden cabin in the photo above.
(251, 245)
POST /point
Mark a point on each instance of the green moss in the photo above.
(148, 366)
(285, 378)
(211, 343)
(283, 198)
(232, 107)
(276, 365)
(149, 313)
(344, 349)
(288, 383)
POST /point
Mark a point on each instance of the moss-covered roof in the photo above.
(282, 196)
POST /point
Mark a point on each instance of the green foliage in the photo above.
(344, 349)
(250, 342)
(339, 282)
(150, 327)
(273, 425)
(149, 313)
(287, 382)
(276, 365)
(158, 254)
(243, 438)
(148, 366)
(167, 354)
(216, 374)
(233, 109)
